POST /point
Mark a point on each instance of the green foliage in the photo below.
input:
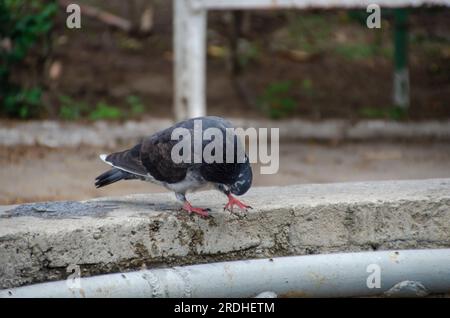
(277, 100)
(23, 25)
(316, 33)
(358, 15)
(394, 113)
(307, 87)
(136, 105)
(128, 43)
(71, 109)
(361, 51)
(355, 51)
(22, 103)
(397, 113)
(248, 52)
(105, 111)
(372, 112)
(311, 33)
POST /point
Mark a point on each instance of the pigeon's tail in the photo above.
(112, 176)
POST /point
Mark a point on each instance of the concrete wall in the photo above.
(51, 133)
(38, 241)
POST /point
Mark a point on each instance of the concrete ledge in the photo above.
(39, 241)
(61, 134)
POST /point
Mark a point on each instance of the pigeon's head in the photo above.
(243, 181)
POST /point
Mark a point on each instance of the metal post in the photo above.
(190, 60)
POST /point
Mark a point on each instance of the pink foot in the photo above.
(189, 208)
(232, 201)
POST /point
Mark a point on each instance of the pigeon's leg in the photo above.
(200, 211)
(189, 208)
(232, 201)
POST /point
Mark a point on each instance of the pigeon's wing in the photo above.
(156, 150)
(214, 121)
(153, 155)
(156, 158)
(128, 160)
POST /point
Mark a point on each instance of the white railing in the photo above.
(190, 39)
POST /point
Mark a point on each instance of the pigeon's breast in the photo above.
(191, 182)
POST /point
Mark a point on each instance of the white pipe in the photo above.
(404, 272)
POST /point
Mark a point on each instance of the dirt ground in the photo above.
(38, 174)
(332, 80)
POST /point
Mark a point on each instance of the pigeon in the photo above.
(151, 161)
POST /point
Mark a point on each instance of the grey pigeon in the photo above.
(151, 161)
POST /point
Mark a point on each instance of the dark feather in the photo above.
(156, 158)
(112, 176)
(156, 150)
(128, 160)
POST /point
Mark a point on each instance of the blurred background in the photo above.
(277, 65)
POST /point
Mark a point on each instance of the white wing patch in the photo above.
(147, 176)
(103, 157)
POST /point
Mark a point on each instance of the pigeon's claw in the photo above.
(232, 201)
(190, 209)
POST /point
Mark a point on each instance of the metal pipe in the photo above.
(392, 273)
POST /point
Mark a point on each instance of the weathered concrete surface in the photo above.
(38, 242)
